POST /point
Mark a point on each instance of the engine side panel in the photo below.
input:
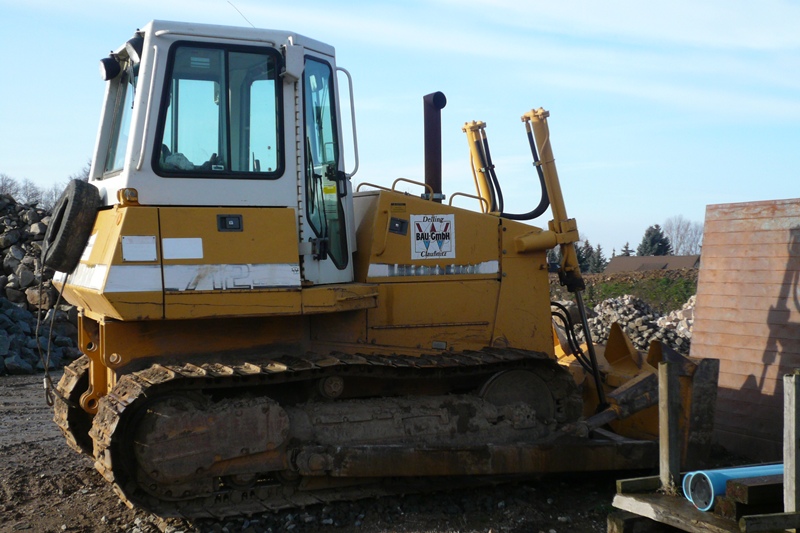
(229, 262)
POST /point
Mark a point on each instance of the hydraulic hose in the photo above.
(495, 184)
(544, 201)
(572, 338)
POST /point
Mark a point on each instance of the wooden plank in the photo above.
(674, 511)
(705, 321)
(769, 522)
(751, 362)
(729, 509)
(669, 436)
(738, 433)
(724, 288)
(752, 386)
(755, 490)
(754, 249)
(749, 414)
(744, 238)
(765, 303)
(738, 276)
(727, 424)
(763, 380)
(625, 522)
(745, 444)
(782, 360)
(791, 441)
(775, 316)
(760, 400)
(760, 209)
(638, 484)
(750, 404)
(767, 264)
(702, 403)
(781, 224)
(734, 342)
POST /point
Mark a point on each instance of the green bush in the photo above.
(664, 291)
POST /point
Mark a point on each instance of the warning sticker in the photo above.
(433, 237)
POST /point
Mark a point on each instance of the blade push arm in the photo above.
(563, 231)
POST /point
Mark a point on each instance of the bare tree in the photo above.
(9, 185)
(83, 174)
(29, 193)
(685, 235)
(50, 196)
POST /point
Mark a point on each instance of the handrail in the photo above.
(358, 187)
(482, 200)
(353, 121)
(394, 184)
(427, 187)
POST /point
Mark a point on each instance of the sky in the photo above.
(657, 109)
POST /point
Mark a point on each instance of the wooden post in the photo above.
(669, 406)
(791, 397)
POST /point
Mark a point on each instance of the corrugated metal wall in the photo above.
(748, 316)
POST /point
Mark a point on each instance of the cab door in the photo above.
(328, 209)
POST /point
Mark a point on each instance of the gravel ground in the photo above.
(46, 487)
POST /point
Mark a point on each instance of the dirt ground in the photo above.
(47, 487)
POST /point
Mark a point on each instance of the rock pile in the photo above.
(27, 294)
(642, 324)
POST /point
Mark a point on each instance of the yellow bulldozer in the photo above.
(259, 333)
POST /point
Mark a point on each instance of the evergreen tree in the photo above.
(597, 261)
(626, 251)
(585, 253)
(654, 242)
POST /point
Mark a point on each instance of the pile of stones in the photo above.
(28, 299)
(642, 324)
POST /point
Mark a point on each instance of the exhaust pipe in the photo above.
(432, 105)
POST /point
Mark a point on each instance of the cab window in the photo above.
(221, 113)
(120, 127)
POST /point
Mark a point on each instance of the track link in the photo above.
(73, 421)
(119, 411)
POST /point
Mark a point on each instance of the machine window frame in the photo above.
(163, 107)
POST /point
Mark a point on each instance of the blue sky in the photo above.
(657, 108)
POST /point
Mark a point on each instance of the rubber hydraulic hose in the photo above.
(544, 201)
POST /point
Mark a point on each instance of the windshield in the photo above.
(221, 113)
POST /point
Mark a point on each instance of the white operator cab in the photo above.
(203, 115)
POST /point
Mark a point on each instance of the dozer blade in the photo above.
(630, 381)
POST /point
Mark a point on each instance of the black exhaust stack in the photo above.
(433, 104)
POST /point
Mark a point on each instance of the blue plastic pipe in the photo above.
(686, 480)
(705, 485)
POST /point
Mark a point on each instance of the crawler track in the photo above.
(73, 421)
(291, 379)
